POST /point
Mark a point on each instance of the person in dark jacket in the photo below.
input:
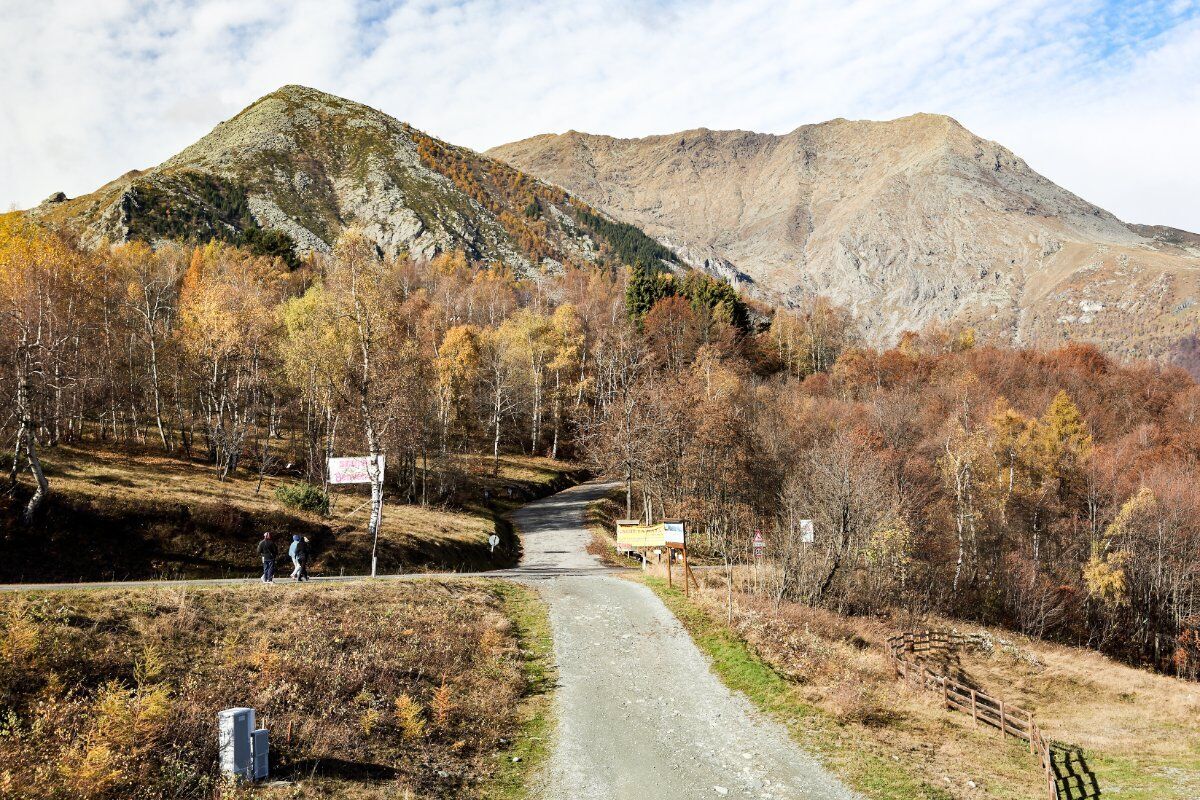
(266, 549)
(304, 549)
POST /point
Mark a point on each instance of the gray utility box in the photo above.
(244, 750)
(261, 751)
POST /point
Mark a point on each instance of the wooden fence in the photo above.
(909, 654)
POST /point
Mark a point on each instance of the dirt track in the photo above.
(639, 712)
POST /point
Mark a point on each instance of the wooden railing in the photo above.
(909, 653)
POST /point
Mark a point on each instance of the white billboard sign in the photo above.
(806, 531)
(356, 469)
(674, 533)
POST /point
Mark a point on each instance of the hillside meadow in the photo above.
(417, 689)
(827, 677)
(130, 513)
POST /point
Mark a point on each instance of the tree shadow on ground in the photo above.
(338, 768)
(946, 661)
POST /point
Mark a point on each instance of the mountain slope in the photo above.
(298, 166)
(909, 222)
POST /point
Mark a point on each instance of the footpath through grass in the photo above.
(520, 763)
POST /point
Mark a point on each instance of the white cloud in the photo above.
(1100, 97)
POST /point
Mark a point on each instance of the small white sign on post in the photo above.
(493, 540)
(759, 544)
(356, 469)
(674, 533)
(806, 531)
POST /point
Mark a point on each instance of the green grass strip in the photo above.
(513, 778)
(871, 773)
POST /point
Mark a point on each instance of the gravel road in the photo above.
(639, 712)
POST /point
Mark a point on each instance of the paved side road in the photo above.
(639, 712)
(552, 561)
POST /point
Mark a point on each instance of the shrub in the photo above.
(303, 496)
(409, 717)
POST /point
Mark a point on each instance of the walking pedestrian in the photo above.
(304, 550)
(266, 549)
(294, 554)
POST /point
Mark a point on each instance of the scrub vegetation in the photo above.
(827, 678)
(368, 690)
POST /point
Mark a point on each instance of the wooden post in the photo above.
(1003, 733)
(974, 712)
(945, 693)
(670, 558)
(688, 574)
(687, 571)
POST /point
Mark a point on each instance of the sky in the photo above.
(1101, 97)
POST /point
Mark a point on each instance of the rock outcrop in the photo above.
(307, 165)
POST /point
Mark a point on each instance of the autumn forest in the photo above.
(1053, 491)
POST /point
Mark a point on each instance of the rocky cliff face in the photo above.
(306, 164)
(908, 222)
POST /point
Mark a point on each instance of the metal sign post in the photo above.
(759, 548)
(364, 469)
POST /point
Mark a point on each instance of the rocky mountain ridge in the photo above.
(909, 222)
(296, 167)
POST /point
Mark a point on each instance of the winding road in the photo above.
(640, 714)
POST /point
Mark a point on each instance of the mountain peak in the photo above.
(909, 222)
(295, 93)
(296, 167)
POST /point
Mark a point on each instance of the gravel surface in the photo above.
(639, 712)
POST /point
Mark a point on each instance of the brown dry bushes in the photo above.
(115, 693)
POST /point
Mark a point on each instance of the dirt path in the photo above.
(640, 714)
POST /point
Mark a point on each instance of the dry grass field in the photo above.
(828, 677)
(118, 515)
(369, 690)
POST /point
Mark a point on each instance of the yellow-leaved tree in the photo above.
(226, 329)
(315, 353)
(45, 291)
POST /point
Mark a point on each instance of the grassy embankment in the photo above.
(826, 677)
(422, 689)
(118, 515)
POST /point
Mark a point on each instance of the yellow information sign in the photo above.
(632, 534)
